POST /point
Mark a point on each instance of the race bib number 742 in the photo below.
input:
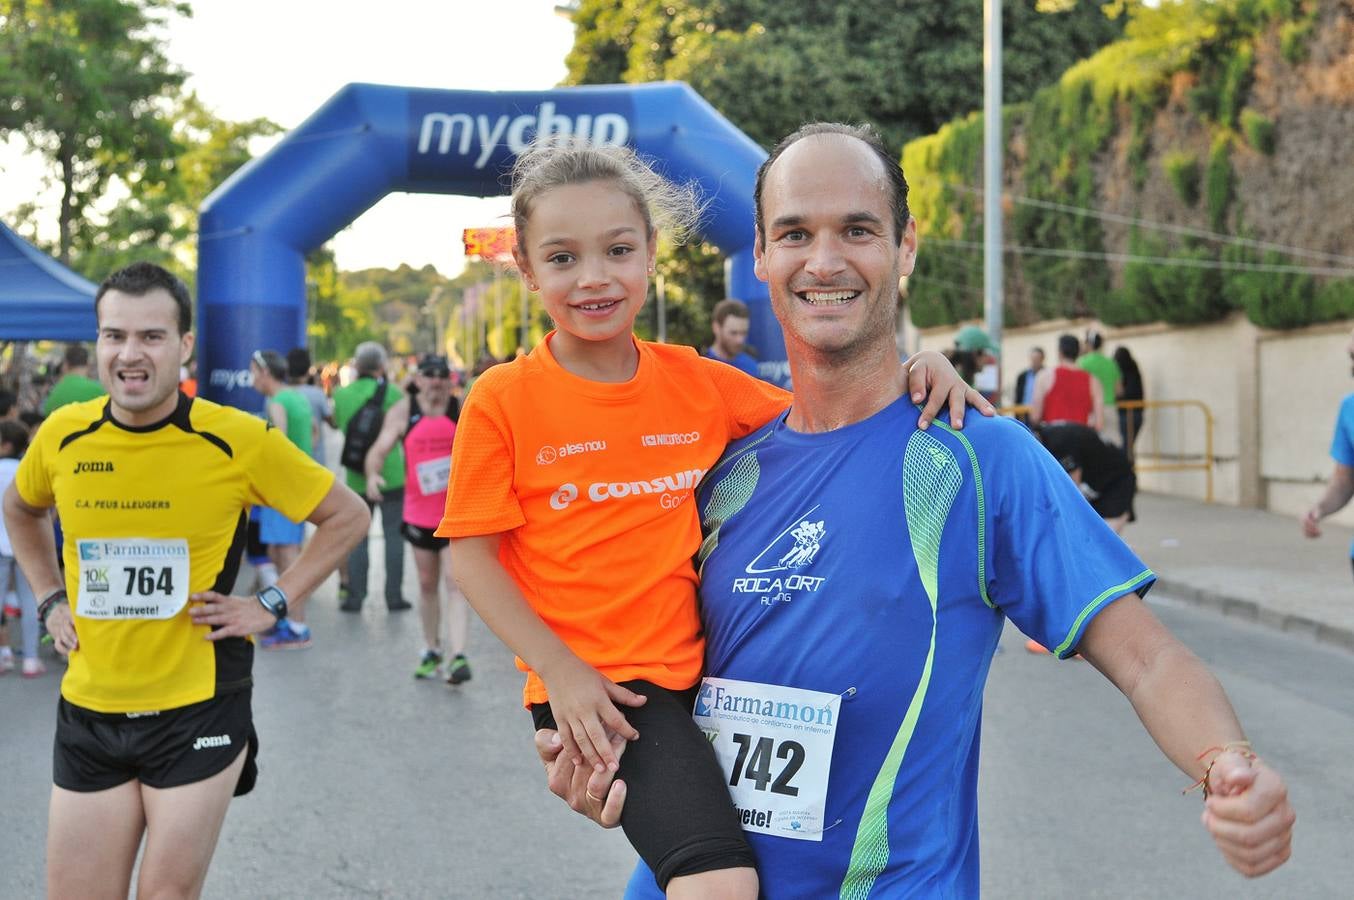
(775, 746)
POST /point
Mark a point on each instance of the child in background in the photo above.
(571, 513)
(13, 443)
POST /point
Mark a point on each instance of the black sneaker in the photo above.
(399, 605)
(458, 670)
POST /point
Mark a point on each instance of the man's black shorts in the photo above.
(95, 751)
(678, 814)
(422, 538)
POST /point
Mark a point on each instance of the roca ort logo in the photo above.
(546, 455)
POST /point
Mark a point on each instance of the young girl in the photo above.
(570, 505)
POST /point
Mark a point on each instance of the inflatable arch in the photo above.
(369, 140)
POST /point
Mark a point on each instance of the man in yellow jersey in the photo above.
(154, 729)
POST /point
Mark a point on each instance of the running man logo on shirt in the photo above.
(805, 539)
(776, 574)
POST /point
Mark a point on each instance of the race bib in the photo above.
(433, 475)
(132, 578)
(775, 747)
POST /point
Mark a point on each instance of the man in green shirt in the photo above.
(75, 384)
(290, 413)
(1106, 372)
(370, 362)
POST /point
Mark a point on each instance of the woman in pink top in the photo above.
(425, 419)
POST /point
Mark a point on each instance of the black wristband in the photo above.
(46, 603)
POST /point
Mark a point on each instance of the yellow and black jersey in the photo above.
(150, 515)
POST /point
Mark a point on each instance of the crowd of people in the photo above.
(649, 529)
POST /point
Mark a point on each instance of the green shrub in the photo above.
(1335, 300)
(1182, 171)
(1294, 38)
(1272, 299)
(1259, 131)
(1236, 84)
(1218, 179)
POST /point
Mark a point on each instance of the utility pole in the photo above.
(992, 150)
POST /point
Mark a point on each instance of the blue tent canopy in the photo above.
(40, 299)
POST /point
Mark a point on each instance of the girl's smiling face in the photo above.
(588, 251)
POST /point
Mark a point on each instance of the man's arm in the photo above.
(1189, 716)
(1042, 382)
(34, 543)
(1097, 405)
(1339, 490)
(392, 429)
(277, 414)
(340, 520)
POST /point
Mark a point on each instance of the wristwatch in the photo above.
(274, 601)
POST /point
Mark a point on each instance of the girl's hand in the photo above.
(930, 375)
(583, 702)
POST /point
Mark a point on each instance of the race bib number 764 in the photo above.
(132, 578)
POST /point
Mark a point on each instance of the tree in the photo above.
(769, 65)
(87, 86)
(158, 221)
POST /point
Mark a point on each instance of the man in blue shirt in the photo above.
(1341, 486)
(729, 322)
(857, 571)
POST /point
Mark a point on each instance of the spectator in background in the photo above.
(1064, 393)
(1340, 488)
(13, 443)
(1106, 373)
(290, 413)
(321, 410)
(9, 405)
(986, 377)
(729, 321)
(75, 384)
(369, 364)
(1100, 470)
(1024, 386)
(1130, 388)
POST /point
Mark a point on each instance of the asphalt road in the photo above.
(373, 785)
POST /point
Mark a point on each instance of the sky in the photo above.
(281, 59)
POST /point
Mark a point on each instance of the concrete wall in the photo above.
(1273, 396)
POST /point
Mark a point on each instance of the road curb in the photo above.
(1250, 611)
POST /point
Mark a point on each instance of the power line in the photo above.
(1177, 261)
(1186, 230)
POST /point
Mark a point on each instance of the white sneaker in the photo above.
(33, 667)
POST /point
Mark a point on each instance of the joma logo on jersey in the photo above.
(220, 740)
(83, 467)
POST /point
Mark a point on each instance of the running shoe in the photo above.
(6, 663)
(427, 666)
(284, 637)
(458, 670)
(33, 668)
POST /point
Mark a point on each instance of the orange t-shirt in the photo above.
(592, 485)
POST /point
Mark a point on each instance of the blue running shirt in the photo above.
(1342, 444)
(877, 563)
